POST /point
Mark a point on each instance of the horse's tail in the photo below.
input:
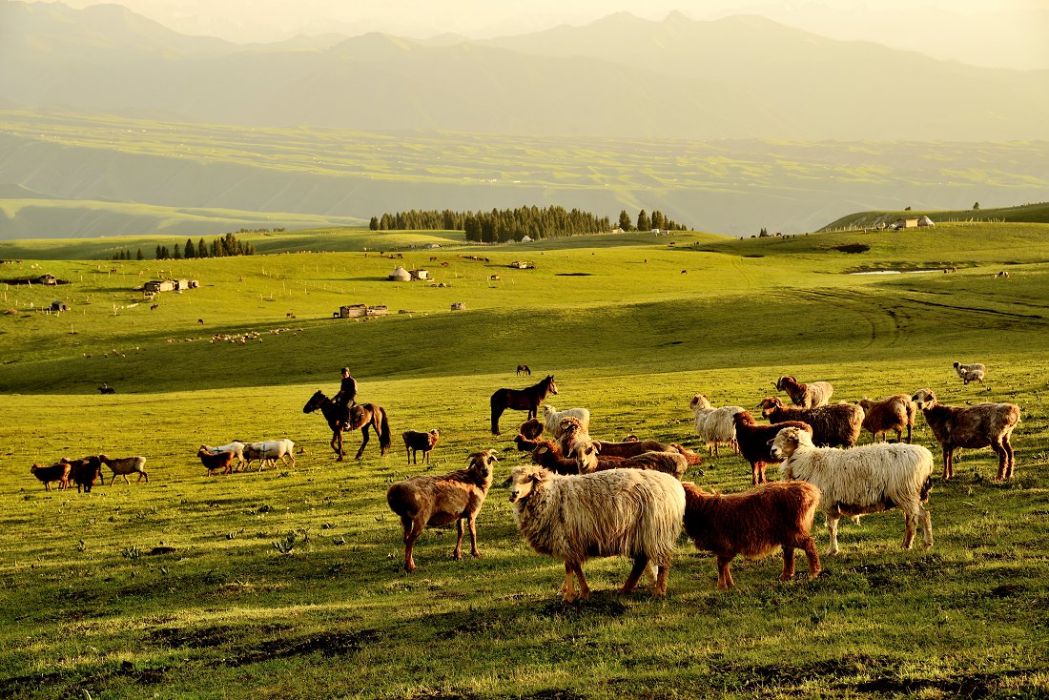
(382, 427)
(498, 406)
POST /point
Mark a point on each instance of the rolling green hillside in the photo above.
(1029, 213)
(287, 583)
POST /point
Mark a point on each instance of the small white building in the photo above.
(419, 274)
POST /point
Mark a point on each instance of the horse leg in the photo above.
(364, 442)
(497, 411)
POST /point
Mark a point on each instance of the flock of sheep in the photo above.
(583, 498)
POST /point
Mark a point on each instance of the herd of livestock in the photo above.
(583, 497)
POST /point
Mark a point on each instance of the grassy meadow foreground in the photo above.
(632, 328)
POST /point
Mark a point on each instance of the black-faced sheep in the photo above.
(860, 480)
(589, 459)
(441, 500)
(836, 425)
(715, 426)
(629, 512)
(972, 372)
(972, 427)
(894, 413)
(123, 467)
(753, 524)
(805, 395)
(755, 443)
(415, 442)
(55, 472)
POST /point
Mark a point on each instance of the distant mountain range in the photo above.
(619, 77)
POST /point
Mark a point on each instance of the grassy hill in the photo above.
(1026, 213)
(631, 328)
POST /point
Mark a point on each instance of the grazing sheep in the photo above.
(755, 443)
(973, 427)
(628, 512)
(635, 447)
(84, 472)
(861, 480)
(440, 500)
(589, 459)
(531, 429)
(415, 441)
(837, 425)
(805, 395)
(973, 372)
(894, 413)
(236, 447)
(55, 472)
(552, 418)
(715, 426)
(125, 466)
(213, 461)
(1001, 274)
(548, 454)
(754, 523)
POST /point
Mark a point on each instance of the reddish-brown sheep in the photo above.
(837, 425)
(84, 472)
(214, 461)
(548, 454)
(754, 523)
(55, 472)
(972, 427)
(755, 443)
(589, 460)
(894, 413)
(415, 442)
(531, 429)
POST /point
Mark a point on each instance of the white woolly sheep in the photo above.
(715, 426)
(805, 395)
(973, 427)
(125, 466)
(972, 372)
(628, 512)
(552, 419)
(860, 480)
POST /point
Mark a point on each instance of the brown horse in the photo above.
(524, 368)
(359, 416)
(521, 400)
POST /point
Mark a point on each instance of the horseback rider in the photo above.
(347, 395)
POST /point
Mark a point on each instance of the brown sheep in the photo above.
(754, 442)
(523, 444)
(836, 425)
(754, 523)
(635, 447)
(84, 472)
(589, 460)
(805, 395)
(531, 429)
(440, 500)
(415, 442)
(125, 466)
(548, 454)
(55, 472)
(894, 413)
(972, 427)
(213, 461)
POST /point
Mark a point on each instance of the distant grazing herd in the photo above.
(583, 497)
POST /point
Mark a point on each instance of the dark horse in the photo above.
(521, 400)
(524, 368)
(359, 416)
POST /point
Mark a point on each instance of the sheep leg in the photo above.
(926, 517)
(640, 564)
(908, 533)
(948, 466)
(126, 480)
(584, 590)
(567, 591)
(472, 522)
(725, 581)
(1003, 458)
(755, 470)
(813, 557)
(660, 588)
(1012, 457)
(788, 563)
(457, 553)
(832, 528)
(412, 530)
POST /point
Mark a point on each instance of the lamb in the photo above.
(548, 454)
(893, 413)
(755, 441)
(629, 512)
(125, 466)
(861, 480)
(552, 418)
(440, 500)
(84, 472)
(236, 447)
(55, 472)
(589, 459)
(754, 523)
(213, 461)
(805, 395)
(973, 372)
(837, 425)
(973, 427)
(415, 441)
(715, 426)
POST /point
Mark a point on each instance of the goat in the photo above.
(440, 500)
(861, 480)
(973, 427)
(633, 513)
(834, 425)
(754, 523)
(415, 441)
(755, 441)
(805, 395)
(125, 466)
(893, 413)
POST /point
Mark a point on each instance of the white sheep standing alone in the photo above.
(629, 512)
(715, 426)
(860, 480)
(552, 419)
(972, 372)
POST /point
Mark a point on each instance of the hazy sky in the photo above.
(985, 32)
